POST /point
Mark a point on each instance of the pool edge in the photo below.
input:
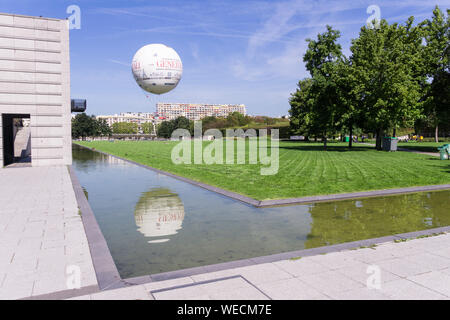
(108, 277)
(104, 266)
(280, 256)
(285, 201)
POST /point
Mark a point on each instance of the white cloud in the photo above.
(277, 47)
(120, 62)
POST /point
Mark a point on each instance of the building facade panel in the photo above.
(35, 82)
(1, 141)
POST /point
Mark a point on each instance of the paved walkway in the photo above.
(434, 154)
(414, 269)
(41, 233)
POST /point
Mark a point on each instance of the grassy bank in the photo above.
(304, 169)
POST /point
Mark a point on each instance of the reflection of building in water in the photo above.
(159, 213)
(113, 160)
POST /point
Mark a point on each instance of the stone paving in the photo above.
(413, 269)
(41, 233)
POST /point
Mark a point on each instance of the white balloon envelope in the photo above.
(157, 68)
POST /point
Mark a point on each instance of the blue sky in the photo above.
(246, 52)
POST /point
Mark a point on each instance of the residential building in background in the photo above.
(194, 111)
(35, 110)
(132, 117)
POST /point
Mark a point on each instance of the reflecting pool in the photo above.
(154, 223)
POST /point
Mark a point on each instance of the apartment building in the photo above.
(197, 111)
(132, 117)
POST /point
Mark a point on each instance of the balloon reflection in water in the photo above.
(159, 213)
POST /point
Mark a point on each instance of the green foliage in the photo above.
(147, 127)
(125, 128)
(385, 63)
(302, 107)
(323, 52)
(87, 126)
(182, 123)
(103, 129)
(436, 54)
(397, 75)
(318, 104)
(165, 128)
(233, 120)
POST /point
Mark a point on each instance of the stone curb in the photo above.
(105, 268)
(287, 201)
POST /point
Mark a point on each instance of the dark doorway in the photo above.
(16, 138)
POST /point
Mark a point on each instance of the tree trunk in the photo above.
(324, 143)
(379, 140)
(436, 134)
(350, 141)
(394, 132)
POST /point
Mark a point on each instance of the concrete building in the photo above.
(194, 111)
(34, 85)
(132, 117)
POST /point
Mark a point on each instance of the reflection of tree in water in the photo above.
(85, 158)
(351, 220)
(82, 155)
(159, 213)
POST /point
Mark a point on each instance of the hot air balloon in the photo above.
(157, 68)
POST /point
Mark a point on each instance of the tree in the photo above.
(387, 81)
(165, 129)
(181, 123)
(348, 104)
(301, 107)
(318, 101)
(83, 126)
(102, 128)
(237, 119)
(125, 128)
(436, 55)
(147, 127)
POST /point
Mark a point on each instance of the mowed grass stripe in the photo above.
(304, 169)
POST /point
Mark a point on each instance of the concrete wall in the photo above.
(35, 80)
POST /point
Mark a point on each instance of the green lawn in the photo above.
(422, 146)
(305, 169)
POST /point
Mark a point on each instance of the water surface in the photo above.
(154, 223)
